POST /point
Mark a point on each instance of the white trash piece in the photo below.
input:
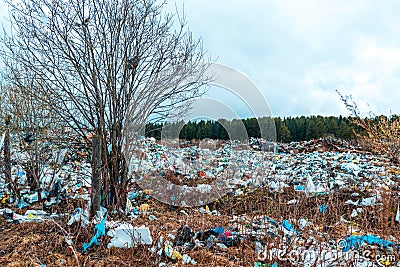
(126, 236)
(2, 139)
(310, 187)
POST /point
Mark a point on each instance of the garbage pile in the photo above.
(317, 203)
(314, 173)
(64, 172)
(324, 169)
(320, 145)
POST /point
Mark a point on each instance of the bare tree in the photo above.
(107, 66)
(31, 123)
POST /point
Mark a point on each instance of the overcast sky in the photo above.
(299, 52)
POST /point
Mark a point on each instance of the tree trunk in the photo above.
(7, 153)
(118, 177)
(124, 182)
(7, 156)
(96, 175)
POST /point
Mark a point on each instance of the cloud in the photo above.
(371, 77)
(299, 52)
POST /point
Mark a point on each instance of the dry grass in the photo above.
(32, 244)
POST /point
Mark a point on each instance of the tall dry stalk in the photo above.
(381, 133)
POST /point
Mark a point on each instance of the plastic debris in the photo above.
(351, 168)
(264, 264)
(22, 204)
(100, 214)
(355, 212)
(221, 246)
(303, 223)
(305, 170)
(100, 231)
(207, 209)
(371, 201)
(133, 195)
(171, 253)
(144, 207)
(184, 212)
(186, 259)
(357, 241)
(8, 215)
(310, 187)
(323, 208)
(2, 139)
(288, 228)
(183, 235)
(299, 188)
(79, 215)
(127, 236)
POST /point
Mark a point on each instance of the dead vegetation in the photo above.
(35, 244)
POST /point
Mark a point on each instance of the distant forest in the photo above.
(287, 129)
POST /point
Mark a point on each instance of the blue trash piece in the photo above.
(300, 188)
(136, 211)
(275, 264)
(357, 241)
(219, 230)
(22, 204)
(133, 195)
(288, 226)
(323, 208)
(100, 231)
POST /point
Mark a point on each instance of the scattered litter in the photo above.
(144, 207)
(100, 231)
(127, 236)
(355, 242)
(77, 216)
(186, 259)
(305, 172)
(323, 208)
(171, 253)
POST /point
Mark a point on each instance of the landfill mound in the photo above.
(319, 203)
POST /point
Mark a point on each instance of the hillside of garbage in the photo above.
(323, 202)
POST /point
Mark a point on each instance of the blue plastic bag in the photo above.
(357, 241)
(100, 231)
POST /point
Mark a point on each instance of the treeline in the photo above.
(287, 129)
